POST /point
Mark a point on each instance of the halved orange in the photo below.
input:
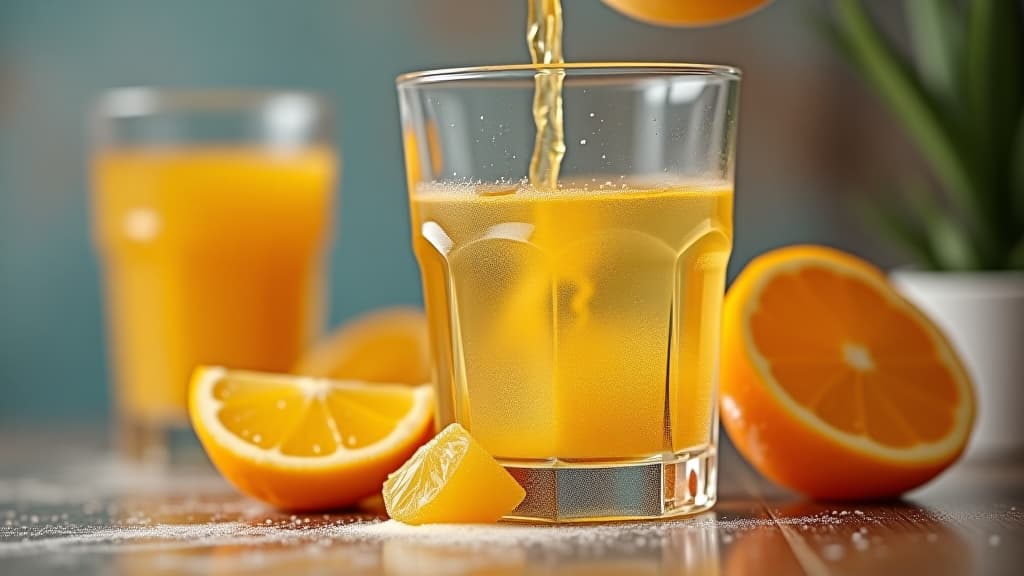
(302, 443)
(685, 12)
(834, 385)
(386, 345)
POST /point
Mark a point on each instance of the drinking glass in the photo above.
(575, 328)
(211, 216)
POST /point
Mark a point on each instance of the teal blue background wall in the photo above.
(811, 139)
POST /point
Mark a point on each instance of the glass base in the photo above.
(160, 443)
(661, 487)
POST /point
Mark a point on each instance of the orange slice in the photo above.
(304, 443)
(685, 12)
(451, 479)
(832, 384)
(387, 345)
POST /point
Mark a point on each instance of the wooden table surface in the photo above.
(68, 507)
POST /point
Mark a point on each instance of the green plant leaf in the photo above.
(992, 84)
(948, 240)
(936, 39)
(950, 243)
(900, 229)
(1017, 164)
(936, 135)
(828, 30)
(1015, 260)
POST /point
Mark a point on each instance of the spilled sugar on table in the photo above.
(67, 506)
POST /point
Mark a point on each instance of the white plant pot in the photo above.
(982, 314)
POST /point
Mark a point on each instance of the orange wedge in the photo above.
(387, 345)
(451, 479)
(832, 384)
(302, 443)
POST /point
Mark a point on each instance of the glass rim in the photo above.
(593, 69)
(140, 101)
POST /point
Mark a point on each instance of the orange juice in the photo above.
(576, 324)
(211, 256)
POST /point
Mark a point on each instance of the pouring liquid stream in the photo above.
(544, 39)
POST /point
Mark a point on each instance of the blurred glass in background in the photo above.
(211, 214)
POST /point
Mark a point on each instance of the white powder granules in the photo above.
(860, 542)
(833, 552)
(163, 537)
(631, 534)
(487, 536)
(187, 531)
(140, 532)
(109, 478)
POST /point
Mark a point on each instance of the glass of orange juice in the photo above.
(575, 327)
(211, 218)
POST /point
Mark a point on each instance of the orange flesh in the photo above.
(389, 345)
(272, 415)
(302, 443)
(837, 347)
